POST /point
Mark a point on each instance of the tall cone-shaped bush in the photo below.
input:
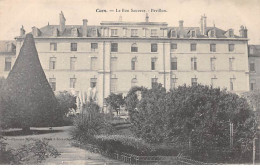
(26, 98)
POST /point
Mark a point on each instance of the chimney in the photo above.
(203, 25)
(147, 18)
(62, 22)
(243, 32)
(35, 31)
(22, 31)
(181, 32)
(181, 24)
(85, 28)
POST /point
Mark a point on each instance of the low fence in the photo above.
(142, 160)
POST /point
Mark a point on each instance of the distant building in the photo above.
(7, 57)
(116, 55)
(254, 66)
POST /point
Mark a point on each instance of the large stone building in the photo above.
(7, 57)
(254, 66)
(116, 55)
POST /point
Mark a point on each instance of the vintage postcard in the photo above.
(129, 82)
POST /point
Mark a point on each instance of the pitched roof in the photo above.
(47, 31)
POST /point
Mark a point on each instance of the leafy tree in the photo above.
(197, 119)
(26, 98)
(115, 101)
(66, 102)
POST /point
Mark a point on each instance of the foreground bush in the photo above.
(89, 123)
(197, 118)
(26, 98)
(33, 152)
(132, 145)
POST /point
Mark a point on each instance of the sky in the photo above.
(224, 14)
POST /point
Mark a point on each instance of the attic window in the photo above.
(231, 33)
(94, 32)
(212, 33)
(193, 33)
(173, 33)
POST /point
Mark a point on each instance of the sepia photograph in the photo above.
(129, 82)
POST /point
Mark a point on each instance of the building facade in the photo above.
(114, 56)
(7, 57)
(254, 68)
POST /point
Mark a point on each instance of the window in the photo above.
(154, 82)
(212, 33)
(93, 65)
(194, 63)
(113, 86)
(153, 47)
(73, 47)
(231, 62)
(231, 33)
(133, 61)
(72, 63)
(113, 32)
(72, 82)
(94, 46)
(173, 33)
(173, 63)
(93, 82)
(174, 82)
(251, 51)
(231, 47)
(113, 63)
(193, 33)
(52, 63)
(252, 85)
(8, 63)
(153, 32)
(193, 47)
(134, 32)
(252, 66)
(114, 47)
(134, 48)
(133, 82)
(194, 81)
(231, 84)
(52, 82)
(53, 46)
(94, 32)
(212, 47)
(153, 60)
(212, 64)
(173, 46)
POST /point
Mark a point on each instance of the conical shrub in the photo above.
(26, 98)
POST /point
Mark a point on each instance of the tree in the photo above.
(27, 98)
(115, 101)
(196, 119)
(66, 102)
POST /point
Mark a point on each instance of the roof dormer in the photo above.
(212, 33)
(74, 32)
(173, 33)
(192, 33)
(35, 31)
(229, 33)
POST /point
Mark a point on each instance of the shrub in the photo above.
(196, 118)
(66, 102)
(33, 152)
(26, 98)
(89, 123)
